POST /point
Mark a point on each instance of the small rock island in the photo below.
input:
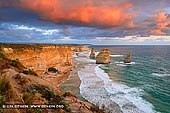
(128, 58)
(103, 57)
(92, 54)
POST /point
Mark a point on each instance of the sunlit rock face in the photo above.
(79, 48)
(8, 50)
(103, 57)
(92, 54)
(40, 60)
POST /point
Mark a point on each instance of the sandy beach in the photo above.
(73, 82)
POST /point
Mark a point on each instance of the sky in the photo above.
(113, 22)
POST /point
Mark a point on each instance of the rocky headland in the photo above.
(31, 74)
(40, 57)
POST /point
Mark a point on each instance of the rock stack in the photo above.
(128, 58)
(92, 54)
(103, 57)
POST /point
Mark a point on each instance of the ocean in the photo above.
(143, 86)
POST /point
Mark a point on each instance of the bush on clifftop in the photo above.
(52, 69)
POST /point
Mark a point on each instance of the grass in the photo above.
(5, 86)
(6, 90)
(28, 98)
(46, 93)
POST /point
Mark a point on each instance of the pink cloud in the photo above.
(89, 12)
(162, 22)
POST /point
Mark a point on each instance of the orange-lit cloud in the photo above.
(89, 12)
(162, 21)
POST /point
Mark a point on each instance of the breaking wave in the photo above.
(98, 89)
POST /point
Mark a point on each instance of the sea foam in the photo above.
(121, 63)
(129, 99)
(160, 75)
(97, 88)
(116, 55)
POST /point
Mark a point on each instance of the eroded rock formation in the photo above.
(92, 54)
(103, 57)
(128, 58)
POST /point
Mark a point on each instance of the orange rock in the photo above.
(92, 54)
(103, 57)
(128, 58)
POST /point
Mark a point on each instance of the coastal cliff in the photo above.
(17, 87)
(40, 58)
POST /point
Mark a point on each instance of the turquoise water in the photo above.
(150, 72)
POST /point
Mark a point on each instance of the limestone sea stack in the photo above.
(128, 58)
(103, 57)
(92, 54)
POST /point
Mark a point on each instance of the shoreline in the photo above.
(81, 62)
(50, 82)
(86, 80)
(73, 76)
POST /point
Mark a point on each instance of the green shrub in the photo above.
(66, 107)
(45, 92)
(2, 99)
(50, 96)
(25, 72)
(13, 63)
(28, 71)
(2, 55)
(6, 89)
(52, 69)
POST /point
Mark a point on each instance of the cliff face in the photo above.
(40, 60)
(103, 57)
(17, 87)
(79, 48)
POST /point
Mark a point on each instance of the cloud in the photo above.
(135, 39)
(68, 39)
(162, 23)
(95, 13)
(10, 26)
